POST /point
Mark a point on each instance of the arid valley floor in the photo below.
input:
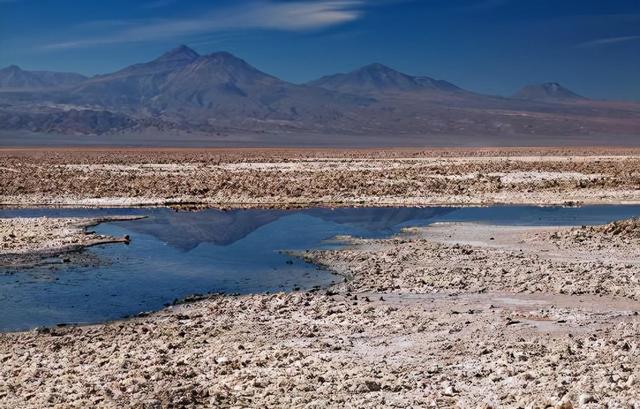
(449, 315)
(289, 178)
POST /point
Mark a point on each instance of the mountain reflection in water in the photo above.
(187, 230)
(174, 254)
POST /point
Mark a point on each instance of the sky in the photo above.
(488, 46)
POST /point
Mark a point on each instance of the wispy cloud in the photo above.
(599, 42)
(158, 4)
(270, 15)
(485, 5)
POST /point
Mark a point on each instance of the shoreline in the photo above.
(189, 205)
(28, 242)
(407, 329)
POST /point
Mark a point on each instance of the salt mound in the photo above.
(630, 228)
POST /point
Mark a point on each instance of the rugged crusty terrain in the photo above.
(455, 315)
(485, 258)
(289, 178)
(628, 230)
(28, 240)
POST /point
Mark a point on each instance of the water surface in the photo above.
(176, 254)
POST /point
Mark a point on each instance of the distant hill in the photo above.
(378, 78)
(182, 85)
(13, 77)
(220, 95)
(547, 91)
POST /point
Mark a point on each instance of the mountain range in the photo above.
(221, 94)
(376, 79)
(549, 91)
(13, 77)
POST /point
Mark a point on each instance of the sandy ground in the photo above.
(453, 315)
(294, 178)
(25, 241)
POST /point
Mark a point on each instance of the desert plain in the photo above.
(448, 315)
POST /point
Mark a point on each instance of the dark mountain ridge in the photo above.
(182, 85)
(221, 94)
(377, 78)
(15, 78)
(547, 91)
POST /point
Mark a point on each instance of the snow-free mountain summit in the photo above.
(221, 94)
(378, 79)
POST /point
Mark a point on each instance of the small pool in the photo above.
(176, 254)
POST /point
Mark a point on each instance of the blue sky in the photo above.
(490, 46)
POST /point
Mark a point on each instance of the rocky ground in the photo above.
(484, 258)
(30, 240)
(458, 315)
(290, 178)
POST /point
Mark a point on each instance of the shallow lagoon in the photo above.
(176, 254)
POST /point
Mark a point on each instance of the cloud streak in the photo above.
(601, 42)
(486, 5)
(265, 15)
(158, 4)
